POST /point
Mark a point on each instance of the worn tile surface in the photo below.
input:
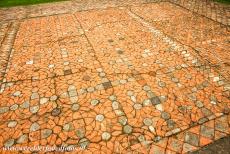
(114, 76)
(206, 36)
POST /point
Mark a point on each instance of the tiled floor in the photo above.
(115, 77)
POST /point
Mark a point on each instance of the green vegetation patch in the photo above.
(223, 1)
(8, 3)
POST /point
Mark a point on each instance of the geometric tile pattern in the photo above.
(206, 36)
(112, 80)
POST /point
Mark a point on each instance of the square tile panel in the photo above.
(52, 59)
(23, 99)
(208, 37)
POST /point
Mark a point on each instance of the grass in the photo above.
(223, 1)
(8, 3)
